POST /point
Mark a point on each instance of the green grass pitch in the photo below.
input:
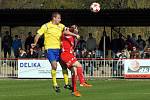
(101, 90)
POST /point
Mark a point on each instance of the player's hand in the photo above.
(78, 36)
(33, 45)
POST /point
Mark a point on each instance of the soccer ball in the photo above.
(95, 7)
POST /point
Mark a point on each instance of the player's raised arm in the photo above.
(40, 32)
(72, 31)
(36, 40)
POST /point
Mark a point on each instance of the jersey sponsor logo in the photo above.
(68, 36)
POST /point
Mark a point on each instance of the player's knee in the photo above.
(76, 64)
(54, 66)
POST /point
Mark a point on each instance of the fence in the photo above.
(98, 68)
(9, 68)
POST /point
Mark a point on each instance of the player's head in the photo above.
(74, 29)
(56, 17)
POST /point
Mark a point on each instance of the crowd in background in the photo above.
(120, 46)
(20, 49)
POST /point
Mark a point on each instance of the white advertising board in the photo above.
(37, 69)
(137, 68)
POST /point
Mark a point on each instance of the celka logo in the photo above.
(30, 64)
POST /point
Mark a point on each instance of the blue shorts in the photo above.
(53, 55)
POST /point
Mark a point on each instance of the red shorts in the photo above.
(68, 59)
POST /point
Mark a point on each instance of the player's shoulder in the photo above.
(45, 25)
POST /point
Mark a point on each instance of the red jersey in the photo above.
(67, 43)
(67, 56)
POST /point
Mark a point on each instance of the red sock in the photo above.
(80, 75)
(74, 83)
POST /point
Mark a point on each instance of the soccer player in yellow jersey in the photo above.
(52, 41)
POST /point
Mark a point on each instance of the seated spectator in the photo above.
(22, 53)
(135, 54)
(91, 54)
(84, 53)
(146, 53)
(122, 54)
(33, 53)
(126, 51)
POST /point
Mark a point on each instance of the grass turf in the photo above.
(101, 90)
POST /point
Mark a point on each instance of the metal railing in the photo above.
(102, 68)
(93, 68)
(9, 68)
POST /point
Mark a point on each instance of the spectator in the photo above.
(22, 53)
(114, 46)
(129, 43)
(22, 36)
(40, 47)
(118, 65)
(6, 44)
(29, 40)
(91, 43)
(135, 54)
(16, 45)
(141, 44)
(146, 53)
(81, 44)
(107, 44)
(120, 42)
(134, 40)
(32, 53)
(126, 52)
(148, 42)
(84, 53)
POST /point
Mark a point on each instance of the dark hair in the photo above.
(90, 34)
(16, 36)
(29, 33)
(54, 14)
(7, 32)
(139, 36)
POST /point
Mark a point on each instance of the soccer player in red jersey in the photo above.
(67, 56)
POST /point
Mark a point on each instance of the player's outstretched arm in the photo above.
(67, 32)
(35, 40)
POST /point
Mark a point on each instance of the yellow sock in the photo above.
(65, 74)
(53, 73)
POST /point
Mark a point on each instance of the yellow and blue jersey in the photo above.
(52, 35)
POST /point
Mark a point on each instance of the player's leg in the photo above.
(51, 57)
(53, 74)
(75, 92)
(67, 59)
(65, 74)
(81, 75)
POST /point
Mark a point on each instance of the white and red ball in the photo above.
(95, 7)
